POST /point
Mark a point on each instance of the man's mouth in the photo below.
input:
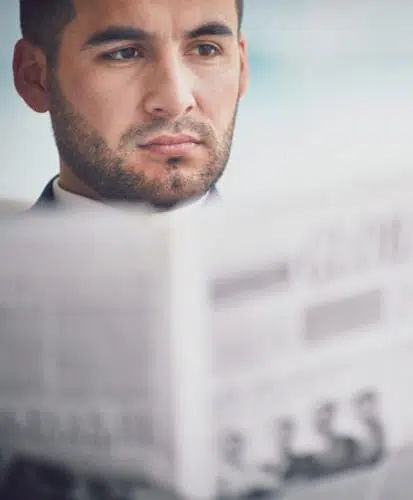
(170, 145)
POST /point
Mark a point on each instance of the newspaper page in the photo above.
(259, 350)
(311, 345)
(86, 405)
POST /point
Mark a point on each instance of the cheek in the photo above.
(106, 108)
(218, 98)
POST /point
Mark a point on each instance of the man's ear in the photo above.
(30, 71)
(244, 67)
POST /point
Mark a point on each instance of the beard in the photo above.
(107, 172)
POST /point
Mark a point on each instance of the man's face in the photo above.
(324, 418)
(366, 408)
(144, 96)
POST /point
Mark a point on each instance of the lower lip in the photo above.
(171, 149)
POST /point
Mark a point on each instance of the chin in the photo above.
(168, 185)
(170, 198)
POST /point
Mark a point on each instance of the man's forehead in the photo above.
(155, 15)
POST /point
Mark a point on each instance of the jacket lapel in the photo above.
(46, 199)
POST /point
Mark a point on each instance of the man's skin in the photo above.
(132, 78)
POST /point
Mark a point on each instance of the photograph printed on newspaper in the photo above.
(334, 428)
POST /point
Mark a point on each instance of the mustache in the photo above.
(161, 125)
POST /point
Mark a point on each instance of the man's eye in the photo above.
(207, 50)
(123, 54)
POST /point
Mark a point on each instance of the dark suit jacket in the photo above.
(48, 200)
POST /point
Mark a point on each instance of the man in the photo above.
(372, 447)
(143, 98)
(339, 451)
(289, 465)
(142, 95)
(238, 478)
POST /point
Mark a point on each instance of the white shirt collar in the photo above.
(66, 199)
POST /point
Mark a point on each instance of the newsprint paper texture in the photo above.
(259, 351)
(85, 401)
(311, 348)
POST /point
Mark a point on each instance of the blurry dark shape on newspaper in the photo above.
(339, 453)
(35, 479)
(332, 319)
(256, 281)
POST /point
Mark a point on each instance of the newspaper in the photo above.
(246, 351)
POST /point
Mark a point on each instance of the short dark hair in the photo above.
(42, 22)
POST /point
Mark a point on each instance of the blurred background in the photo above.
(330, 101)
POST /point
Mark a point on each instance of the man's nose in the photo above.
(170, 92)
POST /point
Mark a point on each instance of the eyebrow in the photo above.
(129, 33)
(210, 29)
(117, 34)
